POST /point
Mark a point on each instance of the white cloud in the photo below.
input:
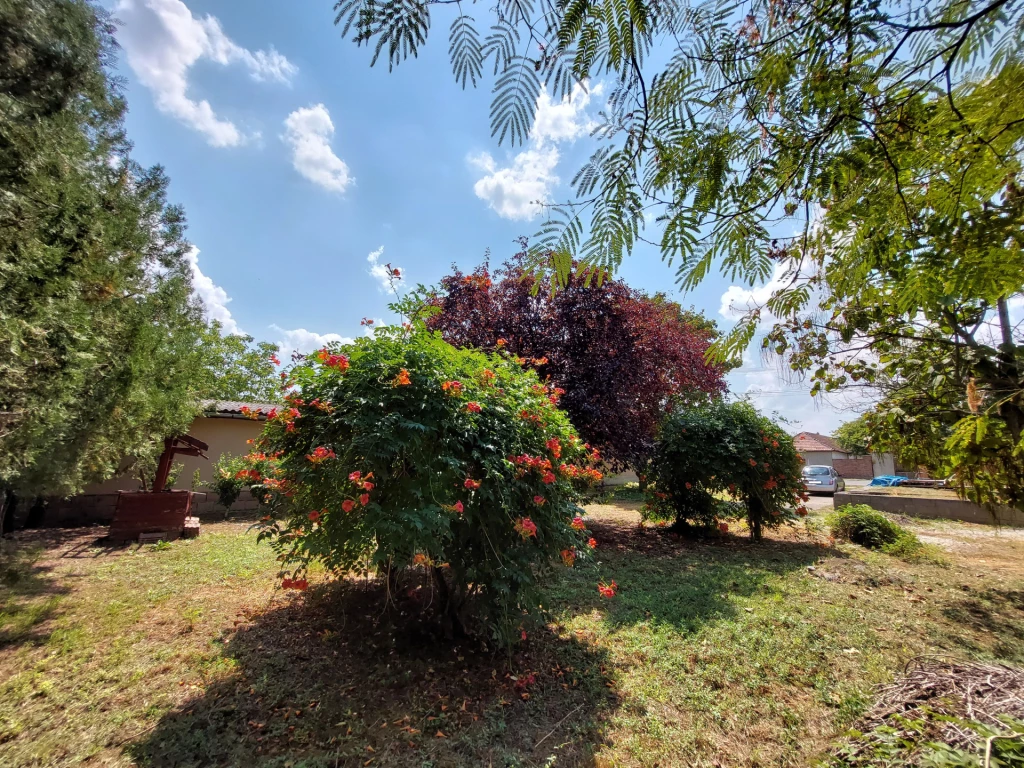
(163, 40)
(566, 120)
(520, 190)
(215, 299)
(301, 340)
(380, 271)
(308, 131)
(738, 300)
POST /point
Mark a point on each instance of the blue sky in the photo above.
(295, 162)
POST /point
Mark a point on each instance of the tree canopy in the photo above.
(854, 436)
(732, 123)
(240, 368)
(100, 332)
(618, 356)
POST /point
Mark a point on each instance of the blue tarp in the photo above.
(889, 480)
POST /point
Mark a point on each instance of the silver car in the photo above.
(819, 478)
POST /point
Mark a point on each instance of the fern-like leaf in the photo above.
(515, 100)
(465, 51)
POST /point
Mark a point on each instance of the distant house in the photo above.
(822, 449)
(819, 449)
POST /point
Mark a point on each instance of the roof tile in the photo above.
(812, 441)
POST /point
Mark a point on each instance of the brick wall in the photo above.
(858, 468)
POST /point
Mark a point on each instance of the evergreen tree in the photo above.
(100, 332)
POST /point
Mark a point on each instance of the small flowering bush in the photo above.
(402, 450)
(720, 460)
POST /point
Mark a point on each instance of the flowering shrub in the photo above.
(401, 450)
(722, 460)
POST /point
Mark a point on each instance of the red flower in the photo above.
(548, 477)
(348, 505)
(775, 443)
(592, 542)
(457, 506)
(275, 360)
(366, 321)
(723, 527)
(355, 476)
(364, 499)
(688, 486)
(607, 590)
(770, 484)
(451, 387)
(320, 455)
(539, 501)
(314, 516)
(367, 486)
(471, 484)
(473, 407)
(402, 379)
(501, 342)
(337, 362)
(525, 527)
(523, 635)
(555, 447)
(753, 462)
(396, 272)
(578, 524)
(568, 557)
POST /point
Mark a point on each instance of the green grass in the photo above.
(722, 652)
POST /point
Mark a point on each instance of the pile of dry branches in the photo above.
(940, 695)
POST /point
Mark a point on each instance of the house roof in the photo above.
(231, 408)
(812, 441)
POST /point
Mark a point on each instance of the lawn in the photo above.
(719, 653)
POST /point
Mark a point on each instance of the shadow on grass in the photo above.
(995, 614)
(29, 594)
(684, 583)
(329, 679)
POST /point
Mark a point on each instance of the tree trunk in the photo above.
(1010, 411)
(449, 606)
(10, 501)
(755, 513)
(36, 514)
